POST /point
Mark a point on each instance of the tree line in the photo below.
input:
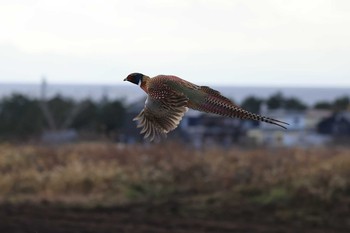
(279, 101)
(22, 117)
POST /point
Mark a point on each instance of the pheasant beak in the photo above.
(125, 79)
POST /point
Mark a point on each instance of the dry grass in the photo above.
(104, 174)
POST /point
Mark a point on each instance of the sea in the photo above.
(131, 93)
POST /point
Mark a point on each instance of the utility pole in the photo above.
(44, 106)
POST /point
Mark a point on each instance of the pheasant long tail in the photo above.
(218, 104)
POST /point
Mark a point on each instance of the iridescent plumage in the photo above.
(169, 97)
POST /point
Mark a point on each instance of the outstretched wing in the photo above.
(161, 116)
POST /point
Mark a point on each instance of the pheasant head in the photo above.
(135, 78)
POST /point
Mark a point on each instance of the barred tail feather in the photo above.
(256, 117)
(214, 104)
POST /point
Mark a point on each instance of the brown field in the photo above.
(105, 187)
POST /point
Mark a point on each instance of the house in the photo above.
(59, 136)
(337, 125)
(209, 129)
(301, 131)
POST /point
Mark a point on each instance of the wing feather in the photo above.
(161, 116)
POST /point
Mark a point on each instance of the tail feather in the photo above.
(220, 105)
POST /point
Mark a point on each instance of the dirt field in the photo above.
(37, 219)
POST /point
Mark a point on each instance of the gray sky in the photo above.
(248, 42)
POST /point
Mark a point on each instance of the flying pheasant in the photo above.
(169, 97)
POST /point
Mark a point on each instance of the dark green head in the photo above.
(135, 78)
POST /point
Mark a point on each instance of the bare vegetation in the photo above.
(310, 186)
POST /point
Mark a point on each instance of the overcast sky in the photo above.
(248, 42)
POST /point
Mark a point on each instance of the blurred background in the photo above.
(72, 159)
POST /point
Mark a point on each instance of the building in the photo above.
(209, 129)
(337, 125)
(301, 131)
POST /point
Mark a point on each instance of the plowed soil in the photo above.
(40, 219)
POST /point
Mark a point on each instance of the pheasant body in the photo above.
(169, 97)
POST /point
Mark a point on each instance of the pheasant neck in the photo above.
(144, 83)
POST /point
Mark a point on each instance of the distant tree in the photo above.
(111, 116)
(87, 119)
(60, 109)
(341, 104)
(323, 105)
(276, 101)
(252, 104)
(20, 117)
(294, 104)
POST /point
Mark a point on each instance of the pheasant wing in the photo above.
(161, 116)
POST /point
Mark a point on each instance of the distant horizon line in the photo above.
(213, 85)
